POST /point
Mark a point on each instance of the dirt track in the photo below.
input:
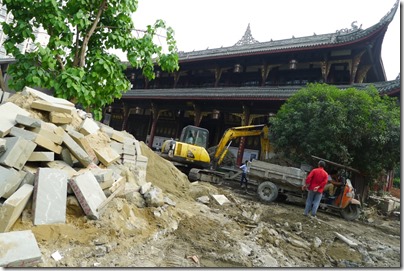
(241, 233)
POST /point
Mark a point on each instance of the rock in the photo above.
(154, 197)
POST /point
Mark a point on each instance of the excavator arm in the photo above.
(242, 131)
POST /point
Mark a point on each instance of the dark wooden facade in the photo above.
(248, 82)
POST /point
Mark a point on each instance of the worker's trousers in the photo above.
(312, 202)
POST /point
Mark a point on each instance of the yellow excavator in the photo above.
(191, 149)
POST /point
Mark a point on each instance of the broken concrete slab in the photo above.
(19, 249)
(49, 200)
(221, 199)
(8, 113)
(13, 207)
(17, 153)
(88, 192)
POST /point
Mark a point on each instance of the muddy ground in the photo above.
(191, 232)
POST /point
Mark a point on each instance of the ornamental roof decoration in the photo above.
(247, 38)
(248, 45)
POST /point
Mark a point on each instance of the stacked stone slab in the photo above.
(43, 162)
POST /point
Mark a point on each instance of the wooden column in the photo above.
(355, 63)
(125, 110)
(218, 74)
(245, 120)
(155, 114)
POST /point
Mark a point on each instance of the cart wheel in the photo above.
(267, 191)
(351, 212)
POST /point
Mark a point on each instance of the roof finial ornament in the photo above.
(247, 38)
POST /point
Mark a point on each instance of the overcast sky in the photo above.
(215, 23)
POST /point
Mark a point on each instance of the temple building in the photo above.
(247, 83)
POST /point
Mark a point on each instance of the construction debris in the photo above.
(50, 150)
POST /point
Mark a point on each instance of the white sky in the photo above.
(215, 23)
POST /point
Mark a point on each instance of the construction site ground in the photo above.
(243, 232)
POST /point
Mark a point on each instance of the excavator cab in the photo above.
(195, 136)
(190, 150)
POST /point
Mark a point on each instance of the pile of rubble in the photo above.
(51, 152)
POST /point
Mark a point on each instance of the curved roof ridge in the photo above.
(247, 44)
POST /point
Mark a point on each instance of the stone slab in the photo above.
(17, 153)
(28, 121)
(88, 192)
(60, 118)
(41, 156)
(83, 142)
(50, 193)
(221, 199)
(13, 207)
(76, 150)
(46, 97)
(9, 177)
(106, 155)
(88, 127)
(8, 113)
(50, 107)
(46, 131)
(16, 183)
(19, 249)
(62, 165)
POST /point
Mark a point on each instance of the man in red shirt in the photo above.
(315, 182)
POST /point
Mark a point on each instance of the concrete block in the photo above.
(82, 141)
(9, 178)
(19, 249)
(13, 207)
(50, 107)
(106, 155)
(8, 113)
(60, 118)
(46, 97)
(88, 192)
(28, 121)
(50, 193)
(76, 150)
(42, 156)
(88, 127)
(17, 153)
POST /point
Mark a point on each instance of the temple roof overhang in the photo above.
(266, 93)
(249, 46)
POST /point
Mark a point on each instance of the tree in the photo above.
(354, 127)
(77, 62)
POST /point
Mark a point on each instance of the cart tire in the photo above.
(267, 191)
(351, 212)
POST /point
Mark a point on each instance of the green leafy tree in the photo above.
(358, 128)
(77, 63)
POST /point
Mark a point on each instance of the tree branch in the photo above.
(90, 33)
(76, 53)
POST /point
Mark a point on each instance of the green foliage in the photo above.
(77, 63)
(352, 127)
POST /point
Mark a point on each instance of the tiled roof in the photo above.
(340, 37)
(243, 93)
